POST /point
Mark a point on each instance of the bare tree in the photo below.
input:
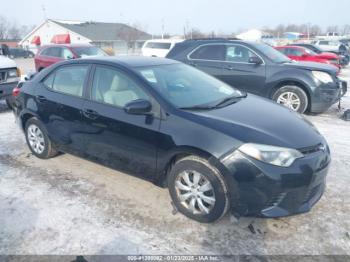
(3, 28)
(345, 29)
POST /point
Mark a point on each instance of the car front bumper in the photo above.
(6, 89)
(271, 191)
(326, 95)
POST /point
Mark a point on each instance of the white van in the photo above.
(159, 47)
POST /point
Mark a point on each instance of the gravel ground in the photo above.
(67, 205)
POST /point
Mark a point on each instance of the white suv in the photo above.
(159, 47)
(9, 77)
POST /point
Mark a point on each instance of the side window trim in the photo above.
(222, 61)
(85, 84)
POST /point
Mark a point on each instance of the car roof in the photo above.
(66, 45)
(132, 61)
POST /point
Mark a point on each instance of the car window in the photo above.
(283, 50)
(210, 52)
(185, 86)
(52, 51)
(84, 51)
(66, 53)
(114, 87)
(68, 80)
(295, 52)
(238, 54)
(158, 45)
(324, 42)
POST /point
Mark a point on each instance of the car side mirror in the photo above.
(138, 107)
(255, 60)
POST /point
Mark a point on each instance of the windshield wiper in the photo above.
(199, 107)
(230, 100)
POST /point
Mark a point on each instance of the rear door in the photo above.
(208, 58)
(240, 73)
(60, 99)
(114, 138)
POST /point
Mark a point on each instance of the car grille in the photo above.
(3, 76)
(314, 149)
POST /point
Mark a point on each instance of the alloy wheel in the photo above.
(36, 139)
(195, 192)
(290, 100)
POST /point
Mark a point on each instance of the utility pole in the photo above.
(44, 12)
(162, 28)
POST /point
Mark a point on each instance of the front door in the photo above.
(240, 73)
(114, 138)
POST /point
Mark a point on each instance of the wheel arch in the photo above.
(293, 82)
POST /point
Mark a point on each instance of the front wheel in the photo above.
(198, 190)
(38, 140)
(292, 97)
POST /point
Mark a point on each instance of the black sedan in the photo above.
(214, 147)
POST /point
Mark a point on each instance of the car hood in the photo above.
(6, 62)
(258, 120)
(312, 66)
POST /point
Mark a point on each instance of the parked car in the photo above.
(216, 148)
(333, 46)
(260, 69)
(299, 53)
(51, 54)
(344, 58)
(20, 52)
(9, 76)
(158, 47)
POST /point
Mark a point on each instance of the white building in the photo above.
(116, 36)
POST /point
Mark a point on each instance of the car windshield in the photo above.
(84, 51)
(272, 53)
(309, 51)
(186, 87)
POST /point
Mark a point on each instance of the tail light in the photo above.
(16, 91)
(19, 72)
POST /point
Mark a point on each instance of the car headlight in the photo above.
(278, 156)
(322, 77)
(12, 73)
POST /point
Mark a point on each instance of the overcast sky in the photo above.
(207, 15)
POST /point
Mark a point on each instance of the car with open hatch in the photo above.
(214, 147)
(261, 70)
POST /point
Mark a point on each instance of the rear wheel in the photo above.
(198, 190)
(292, 97)
(38, 140)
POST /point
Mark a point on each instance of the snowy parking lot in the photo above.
(67, 205)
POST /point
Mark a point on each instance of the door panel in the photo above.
(59, 99)
(112, 137)
(239, 73)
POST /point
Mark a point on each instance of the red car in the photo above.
(299, 53)
(50, 54)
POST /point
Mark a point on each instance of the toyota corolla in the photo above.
(216, 148)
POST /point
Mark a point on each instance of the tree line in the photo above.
(12, 30)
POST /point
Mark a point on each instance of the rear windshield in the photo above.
(158, 45)
(84, 51)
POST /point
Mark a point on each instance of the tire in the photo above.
(42, 138)
(8, 103)
(11, 56)
(295, 92)
(204, 212)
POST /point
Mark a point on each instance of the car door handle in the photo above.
(41, 99)
(90, 114)
(229, 67)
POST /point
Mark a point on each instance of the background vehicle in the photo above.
(51, 54)
(260, 69)
(344, 58)
(158, 47)
(9, 76)
(20, 52)
(215, 147)
(331, 46)
(299, 53)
